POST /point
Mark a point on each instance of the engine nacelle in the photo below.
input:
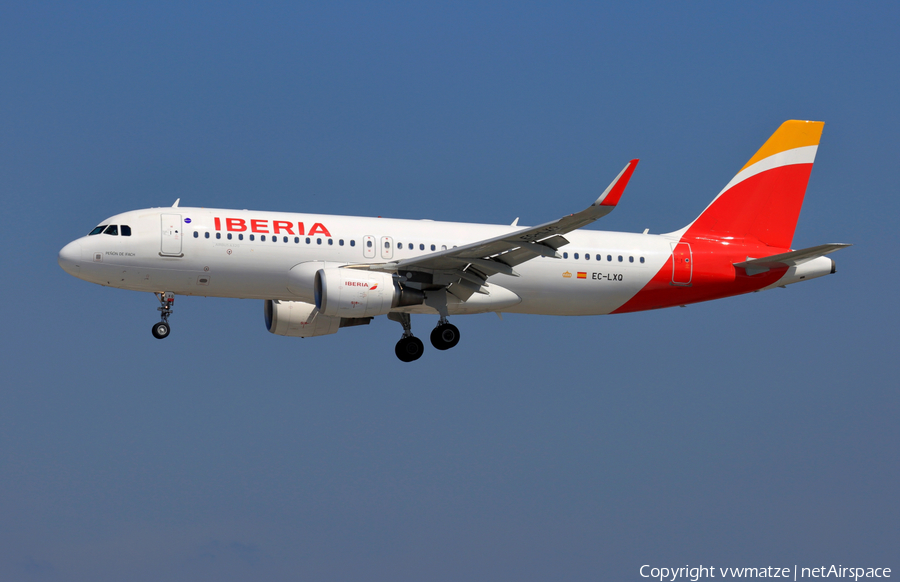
(355, 293)
(301, 279)
(298, 319)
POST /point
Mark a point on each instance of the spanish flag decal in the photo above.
(582, 275)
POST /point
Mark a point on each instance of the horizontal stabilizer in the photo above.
(791, 259)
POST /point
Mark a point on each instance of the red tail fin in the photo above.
(763, 200)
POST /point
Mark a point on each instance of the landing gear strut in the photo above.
(166, 301)
(409, 348)
(445, 335)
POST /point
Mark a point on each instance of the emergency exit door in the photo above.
(171, 235)
(387, 247)
(369, 247)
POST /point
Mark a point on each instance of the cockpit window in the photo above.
(112, 229)
(97, 230)
(126, 230)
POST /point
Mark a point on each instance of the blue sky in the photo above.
(758, 430)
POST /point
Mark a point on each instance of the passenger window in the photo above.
(125, 230)
(387, 245)
(97, 230)
(642, 259)
(196, 234)
(240, 237)
(318, 241)
(330, 242)
(587, 256)
(285, 239)
(443, 247)
(341, 242)
(296, 240)
(620, 258)
(421, 247)
(609, 258)
(112, 229)
(307, 240)
(433, 247)
(565, 255)
(630, 259)
(252, 237)
(369, 244)
(410, 246)
(575, 255)
(599, 257)
(352, 243)
(218, 235)
(206, 234)
(229, 236)
(262, 238)
(399, 246)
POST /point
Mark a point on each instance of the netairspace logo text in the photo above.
(695, 573)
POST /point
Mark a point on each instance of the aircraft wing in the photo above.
(464, 269)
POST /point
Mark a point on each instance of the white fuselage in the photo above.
(209, 252)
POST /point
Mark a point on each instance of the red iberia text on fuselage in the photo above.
(264, 226)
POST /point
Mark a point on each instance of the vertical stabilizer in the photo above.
(763, 200)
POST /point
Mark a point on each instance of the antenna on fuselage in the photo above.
(177, 200)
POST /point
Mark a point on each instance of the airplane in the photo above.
(319, 273)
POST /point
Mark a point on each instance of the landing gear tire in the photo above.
(409, 349)
(161, 330)
(445, 336)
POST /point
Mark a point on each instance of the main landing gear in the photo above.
(166, 301)
(410, 348)
(445, 335)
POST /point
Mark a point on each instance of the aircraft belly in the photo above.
(560, 288)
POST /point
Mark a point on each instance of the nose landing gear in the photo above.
(166, 301)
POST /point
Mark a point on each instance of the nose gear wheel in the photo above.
(161, 330)
(166, 302)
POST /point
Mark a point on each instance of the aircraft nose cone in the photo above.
(70, 258)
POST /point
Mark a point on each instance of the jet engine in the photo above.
(356, 293)
(298, 319)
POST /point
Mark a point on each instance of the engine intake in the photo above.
(355, 293)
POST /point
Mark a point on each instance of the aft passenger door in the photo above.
(171, 235)
(682, 267)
